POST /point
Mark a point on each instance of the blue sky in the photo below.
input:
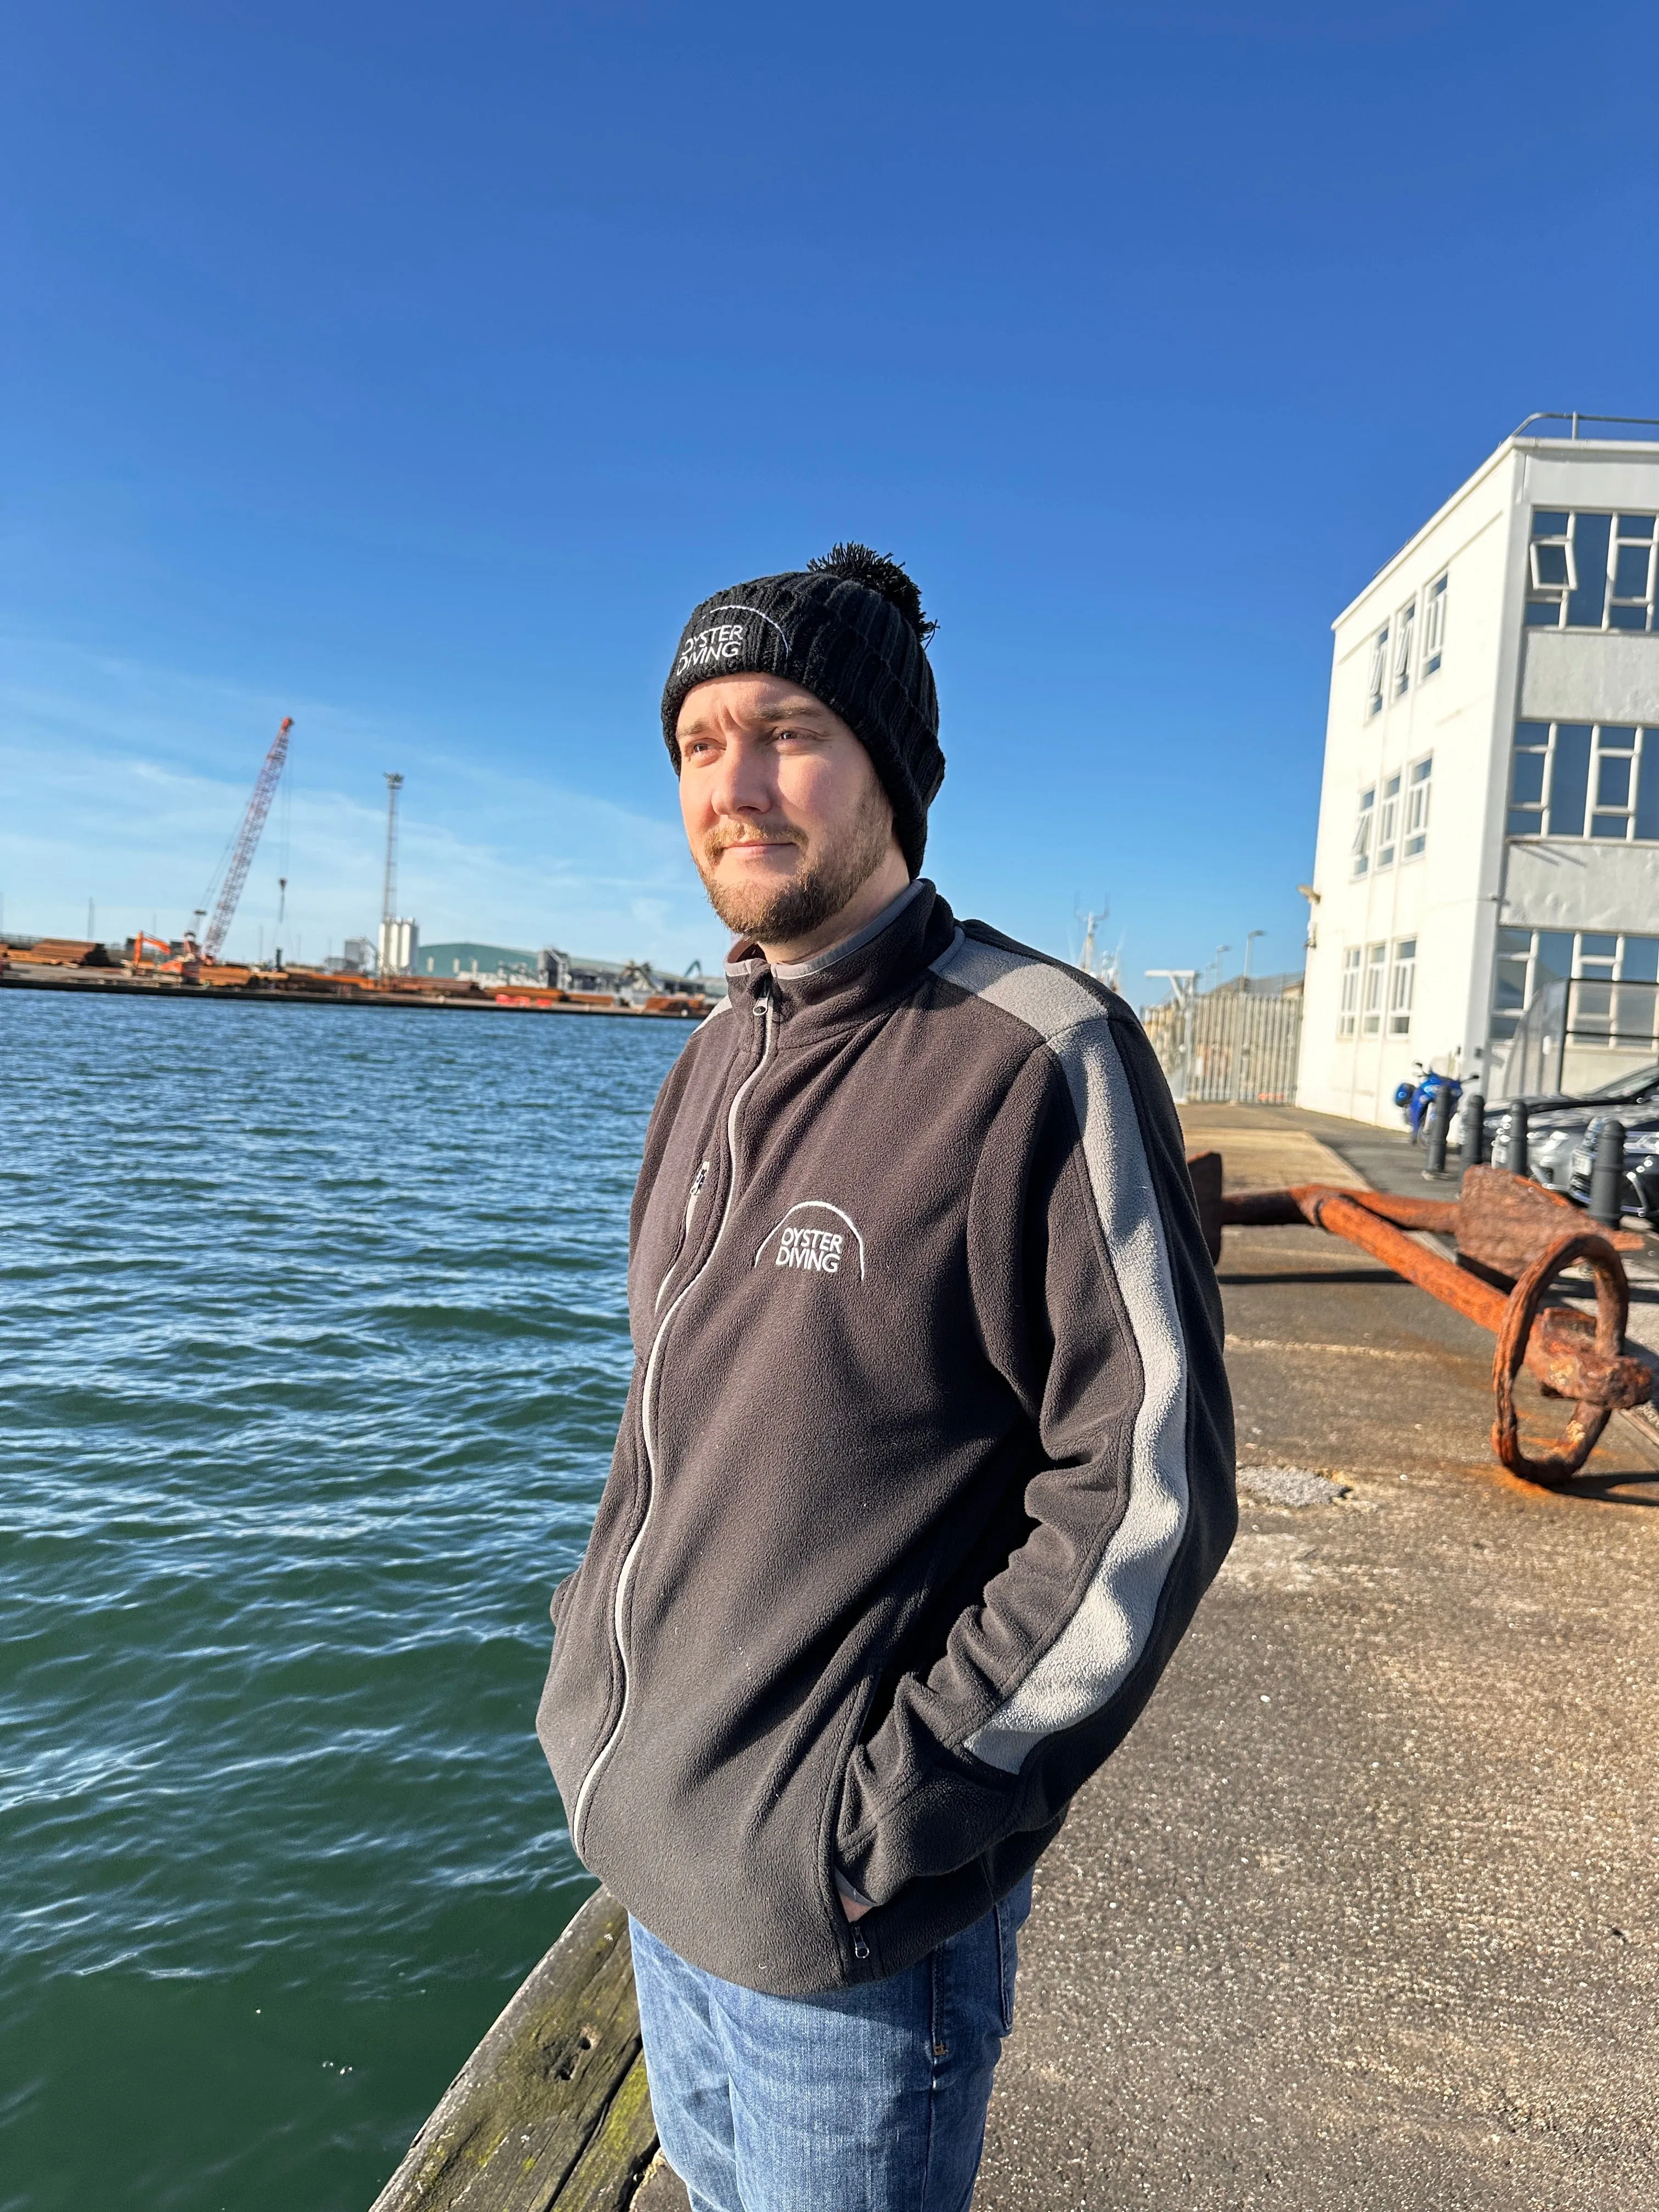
(412, 370)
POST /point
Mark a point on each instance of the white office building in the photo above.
(1487, 879)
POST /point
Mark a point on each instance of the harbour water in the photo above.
(314, 1342)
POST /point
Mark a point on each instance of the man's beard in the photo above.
(776, 911)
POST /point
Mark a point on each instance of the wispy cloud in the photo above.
(123, 784)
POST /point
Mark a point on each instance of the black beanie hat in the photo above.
(848, 628)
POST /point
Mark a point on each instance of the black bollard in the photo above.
(1439, 1123)
(1514, 1144)
(1606, 1184)
(1472, 1130)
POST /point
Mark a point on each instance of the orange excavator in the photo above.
(186, 963)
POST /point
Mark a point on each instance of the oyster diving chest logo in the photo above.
(804, 1239)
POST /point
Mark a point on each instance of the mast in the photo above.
(394, 784)
(391, 964)
(247, 839)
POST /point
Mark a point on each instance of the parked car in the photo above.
(1641, 1163)
(1557, 1128)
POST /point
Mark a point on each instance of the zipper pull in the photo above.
(698, 1180)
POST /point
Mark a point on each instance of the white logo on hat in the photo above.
(722, 642)
(710, 648)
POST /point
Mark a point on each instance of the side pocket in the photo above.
(1011, 1918)
(846, 1742)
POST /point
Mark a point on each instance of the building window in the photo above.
(1584, 779)
(1528, 773)
(1595, 964)
(1434, 626)
(1402, 978)
(1387, 822)
(1630, 580)
(1405, 626)
(1379, 675)
(1350, 1006)
(1612, 782)
(1551, 573)
(1528, 961)
(1416, 805)
(1370, 1009)
(1591, 572)
(1362, 831)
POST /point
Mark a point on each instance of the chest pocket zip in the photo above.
(681, 1249)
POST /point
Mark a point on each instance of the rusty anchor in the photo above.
(1513, 1238)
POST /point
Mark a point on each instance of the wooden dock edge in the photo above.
(551, 2112)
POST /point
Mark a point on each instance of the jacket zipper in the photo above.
(584, 1793)
(697, 1183)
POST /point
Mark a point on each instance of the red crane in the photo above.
(247, 839)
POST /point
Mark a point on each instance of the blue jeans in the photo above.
(866, 2099)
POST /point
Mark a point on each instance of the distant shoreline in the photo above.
(92, 984)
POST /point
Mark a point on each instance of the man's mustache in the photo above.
(718, 840)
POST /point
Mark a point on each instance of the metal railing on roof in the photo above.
(1645, 421)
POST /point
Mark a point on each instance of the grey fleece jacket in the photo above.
(926, 1463)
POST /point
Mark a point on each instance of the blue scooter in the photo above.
(1414, 1099)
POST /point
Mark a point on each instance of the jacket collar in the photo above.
(851, 980)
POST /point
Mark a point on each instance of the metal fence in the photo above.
(1224, 1046)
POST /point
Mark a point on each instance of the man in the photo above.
(927, 1458)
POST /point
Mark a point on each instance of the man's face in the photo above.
(784, 812)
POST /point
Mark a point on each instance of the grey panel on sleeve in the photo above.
(1096, 1650)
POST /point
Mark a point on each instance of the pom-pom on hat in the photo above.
(850, 628)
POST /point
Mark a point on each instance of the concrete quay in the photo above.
(1363, 1913)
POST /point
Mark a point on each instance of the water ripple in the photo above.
(316, 1341)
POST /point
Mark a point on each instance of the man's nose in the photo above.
(743, 785)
